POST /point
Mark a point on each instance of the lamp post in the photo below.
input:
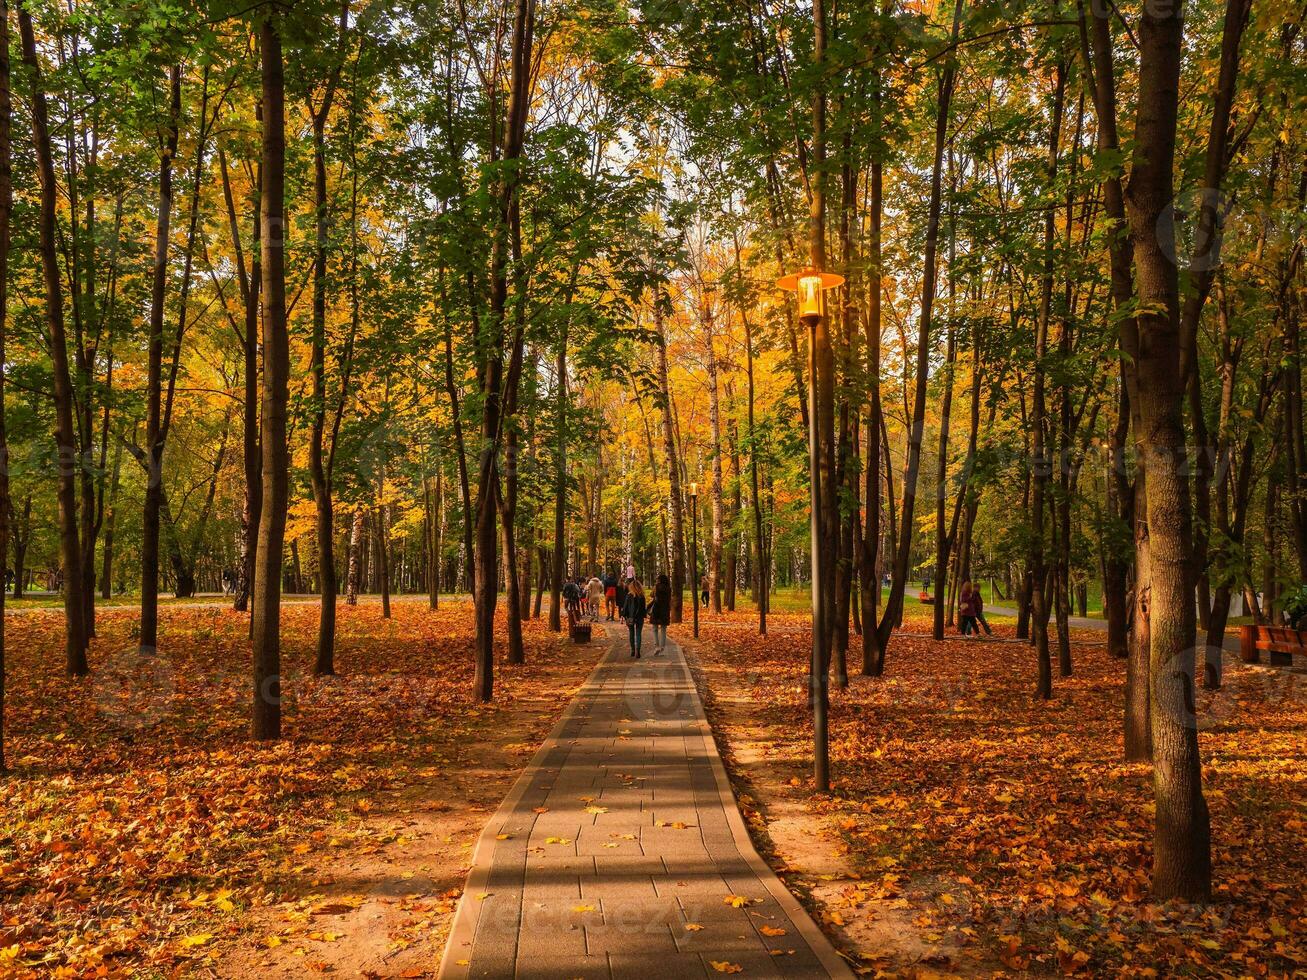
(809, 287)
(694, 553)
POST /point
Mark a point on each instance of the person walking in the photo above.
(595, 593)
(660, 613)
(966, 611)
(619, 597)
(634, 611)
(703, 588)
(610, 594)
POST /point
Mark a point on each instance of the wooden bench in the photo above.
(1279, 642)
(577, 630)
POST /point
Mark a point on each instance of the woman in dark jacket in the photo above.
(660, 613)
(634, 611)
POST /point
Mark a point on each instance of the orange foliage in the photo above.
(140, 822)
(1011, 826)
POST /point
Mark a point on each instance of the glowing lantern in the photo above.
(810, 285)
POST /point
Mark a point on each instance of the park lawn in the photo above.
(973, 829)
(798, 599)
(141, 832)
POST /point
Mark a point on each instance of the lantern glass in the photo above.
(694, 489)
(810, 298)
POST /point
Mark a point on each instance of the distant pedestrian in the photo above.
(660, 613)
(634, 611)
(620, 599)
(610, 595)
(572, 600)
(966, 611)
(703, 589)
(595, 594)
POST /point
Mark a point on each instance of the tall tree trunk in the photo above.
(154, 445)
(559, 562)
(715, 424)
(111, 519)
(65, 433)
(266, 629)
(1096, 48)
(355, 558)
(673, 467)
(1041, 455)
(1182, 835)
(6, 205)
(324, 518)
(916, 431)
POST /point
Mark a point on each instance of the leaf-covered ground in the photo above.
(973, 829)
(142, 832)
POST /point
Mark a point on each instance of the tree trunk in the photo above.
(1041, 457)
(324, 519)
(111, 519)
(715, 423)
(154, 385)
(916, 431)
(673, 467)
(266, 628)
(6, 206)
(1182, 835)
(65, 434)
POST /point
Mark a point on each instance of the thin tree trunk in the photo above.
(266, 629)
(65, 433)
(894, 606)
(6, 206)
(324, 518)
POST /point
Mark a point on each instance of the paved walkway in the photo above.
(620, 852)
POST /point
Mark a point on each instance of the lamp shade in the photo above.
(810, 285)
(694, 489)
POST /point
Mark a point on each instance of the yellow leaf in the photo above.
(503, 836)
(558, 840)
(771, 930)
(693, 927)
(199, 939)
(721, 966)
(738, 901)
(583, 908)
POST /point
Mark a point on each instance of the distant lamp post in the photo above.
(694, 553)
(809, 287)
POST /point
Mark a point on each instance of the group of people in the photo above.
(623, 597)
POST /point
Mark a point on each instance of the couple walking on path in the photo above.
(636, 608)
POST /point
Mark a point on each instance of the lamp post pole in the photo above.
(809, 286)
(694, 554)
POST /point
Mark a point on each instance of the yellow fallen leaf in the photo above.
(693, 927)
(722, 966)
(596, 809)
(199, 939)
(503, 836)
(583, 908)
(558, 840)
(771, 930)
(738, 901)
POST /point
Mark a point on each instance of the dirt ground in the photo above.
(385, 909)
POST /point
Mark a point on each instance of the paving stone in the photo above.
(617, 898)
